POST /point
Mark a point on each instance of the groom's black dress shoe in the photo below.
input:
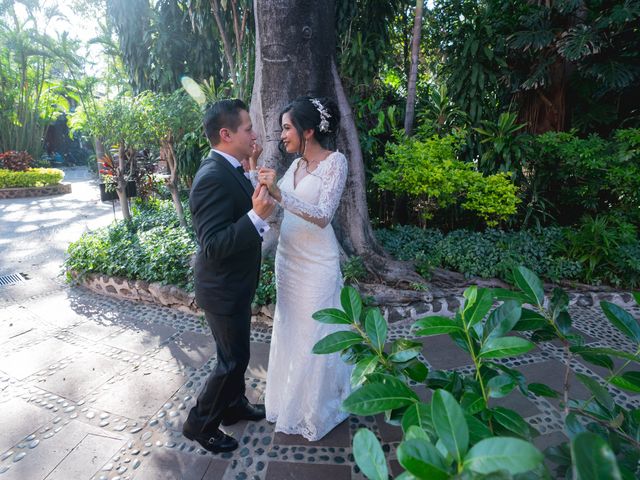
(216, 442)
(244, 411)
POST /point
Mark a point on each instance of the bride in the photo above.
(305, 391)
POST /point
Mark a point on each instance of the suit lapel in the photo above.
(240, 178)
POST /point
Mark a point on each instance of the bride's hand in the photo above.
(253, 158)
(267, 177)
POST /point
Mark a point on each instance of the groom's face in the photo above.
(240, 142)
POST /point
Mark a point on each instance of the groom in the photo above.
(229, 221)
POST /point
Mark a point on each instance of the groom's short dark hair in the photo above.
(222, 114)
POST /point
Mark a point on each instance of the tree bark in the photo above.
(295, 56)
(168, 155)
(121, 183)
(410, 112)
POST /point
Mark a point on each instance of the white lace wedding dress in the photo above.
(304, 390)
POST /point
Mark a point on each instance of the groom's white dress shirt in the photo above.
(261, 226)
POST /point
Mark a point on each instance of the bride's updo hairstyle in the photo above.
(318, 113)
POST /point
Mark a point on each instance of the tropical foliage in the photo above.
(460, 432)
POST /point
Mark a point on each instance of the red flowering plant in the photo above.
(16, 161)
(108, 171)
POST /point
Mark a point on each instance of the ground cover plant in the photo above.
(457, 434)
(601, 250)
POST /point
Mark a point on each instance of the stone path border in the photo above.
(30, 192)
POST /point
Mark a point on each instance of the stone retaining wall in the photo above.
(155, 293)
(395, 305)
(28, 192)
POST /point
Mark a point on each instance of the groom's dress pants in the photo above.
(225, 386)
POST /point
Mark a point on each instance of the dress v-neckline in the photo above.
(293, 181)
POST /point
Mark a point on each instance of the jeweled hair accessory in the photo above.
(324, 115)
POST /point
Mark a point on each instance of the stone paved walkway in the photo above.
(94, 387)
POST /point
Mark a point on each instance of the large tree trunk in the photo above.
(295, 55)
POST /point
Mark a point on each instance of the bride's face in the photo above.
(289, 135)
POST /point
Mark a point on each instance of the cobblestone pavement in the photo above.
(95, 387)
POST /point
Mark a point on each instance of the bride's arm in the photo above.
(333, 182)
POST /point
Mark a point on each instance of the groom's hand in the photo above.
(263, 204)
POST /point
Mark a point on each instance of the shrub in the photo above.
(428, 171)
(460, 432)
(33, 177)
(587, 175)
(16, 161)
(159, 254)
(152, 247)
(608, 248)
(266, 292)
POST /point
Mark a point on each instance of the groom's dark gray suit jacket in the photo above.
(227, 264)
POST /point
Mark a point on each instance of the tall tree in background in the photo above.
(295, 55)
(409, 115)
(163, 40)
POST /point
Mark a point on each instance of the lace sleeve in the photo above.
(334, 178)
(253, 176)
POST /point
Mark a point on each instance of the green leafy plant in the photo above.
(458, 434)
(353, 270)
(505, 147)
(600, 244)
(152, 247)
(429, 172)
(266, 292)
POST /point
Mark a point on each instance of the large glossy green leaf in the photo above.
(477, 306)
(472, 403)
(422, 459)
(622, 320)
(376, 327)
(603, 397)
(628, 381)
(593, 458)
(572, 425)
(449, 423)
(511, 421)
(369, 456)
(337, 341)
(530, 320)
(363, 368)
(500, 386)
(332, 315)
(416, 370)
(503, 319)
(403, 350)
(502, 453)
(503, 294)
(597, 359)
(542, 390)
(351, 303)
(530, 284)
(436, 325)
(379, 397)
(636, 296)
(607, 351)
(418, 414)
(505, 347)
(478, 430)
